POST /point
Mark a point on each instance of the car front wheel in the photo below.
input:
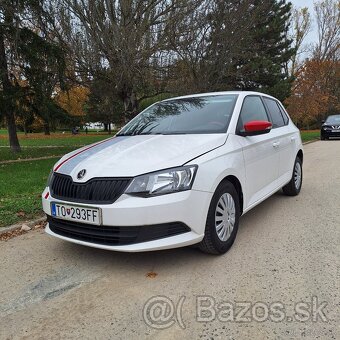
(294, 186)
(222, 220)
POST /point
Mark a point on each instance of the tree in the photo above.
(316, 89)
(122, 43)
(313, 96)
(328, 27)
(263, 65)
(300, 27)
(46, 71)
(73, 100)
(29, 53)
(226, 45)
(103, 105)
(8, 90)
(243, 49)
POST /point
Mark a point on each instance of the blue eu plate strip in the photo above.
(54, 213)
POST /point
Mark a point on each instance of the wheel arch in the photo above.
(300, 155)
(237, 184)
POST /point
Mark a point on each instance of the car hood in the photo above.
(128, 156)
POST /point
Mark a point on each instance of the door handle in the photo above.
(276, 144)
(292, 138)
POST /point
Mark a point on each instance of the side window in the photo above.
(274, 112)
(284, 114)
(252, 109)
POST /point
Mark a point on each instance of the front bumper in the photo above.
(330, 134)
(189, 208)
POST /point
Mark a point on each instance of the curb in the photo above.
(311, 141)
(12, 227)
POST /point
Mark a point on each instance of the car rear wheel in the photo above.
(294, 186)
(222, 220)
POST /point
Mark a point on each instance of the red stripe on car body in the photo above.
(79, 152)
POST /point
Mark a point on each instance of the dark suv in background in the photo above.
(331, 127)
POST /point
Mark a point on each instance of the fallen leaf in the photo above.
(20, 213)
(8, 235)
(151, 275)
(17, 232)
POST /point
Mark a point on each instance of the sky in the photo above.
(312, 36)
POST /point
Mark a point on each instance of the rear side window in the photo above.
(252, 109)
(284, 114)
(274, 112)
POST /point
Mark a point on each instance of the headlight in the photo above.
(163, 182)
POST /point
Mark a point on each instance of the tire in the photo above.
(293, 188)
(322, 138)
(212, 243)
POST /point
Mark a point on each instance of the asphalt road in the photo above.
(287, 252)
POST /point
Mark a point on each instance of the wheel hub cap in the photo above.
(297, 175)
(225, 216)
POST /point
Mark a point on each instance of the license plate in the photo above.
(76, 213)
(335, 130)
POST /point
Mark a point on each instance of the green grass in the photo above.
(308, 135)
(20, 189)
(55, 139)
(38, 145)
(34, 152)
(22, 183)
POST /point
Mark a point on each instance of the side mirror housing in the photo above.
(256, 127)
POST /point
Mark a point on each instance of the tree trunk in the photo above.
(134, 103)
(109, 128)
(130, 104)
(47, 129)
(12, 131)
(7, 91)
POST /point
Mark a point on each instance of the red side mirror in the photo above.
(256, 127)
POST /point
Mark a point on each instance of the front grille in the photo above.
(96, 190)
(115, 236)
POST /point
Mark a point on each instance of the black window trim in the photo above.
(268, 112)
(237, 132)
(283, 112)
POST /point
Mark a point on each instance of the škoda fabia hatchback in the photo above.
(180, 173)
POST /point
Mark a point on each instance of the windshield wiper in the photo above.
(139, 134)
(175, 133)
(151, 133)
(123, 134)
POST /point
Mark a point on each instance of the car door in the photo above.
(261, 155)
(286, 139)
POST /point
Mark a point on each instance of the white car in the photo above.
(180, 173)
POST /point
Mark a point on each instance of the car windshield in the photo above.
(194, 115)
(333, 119)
